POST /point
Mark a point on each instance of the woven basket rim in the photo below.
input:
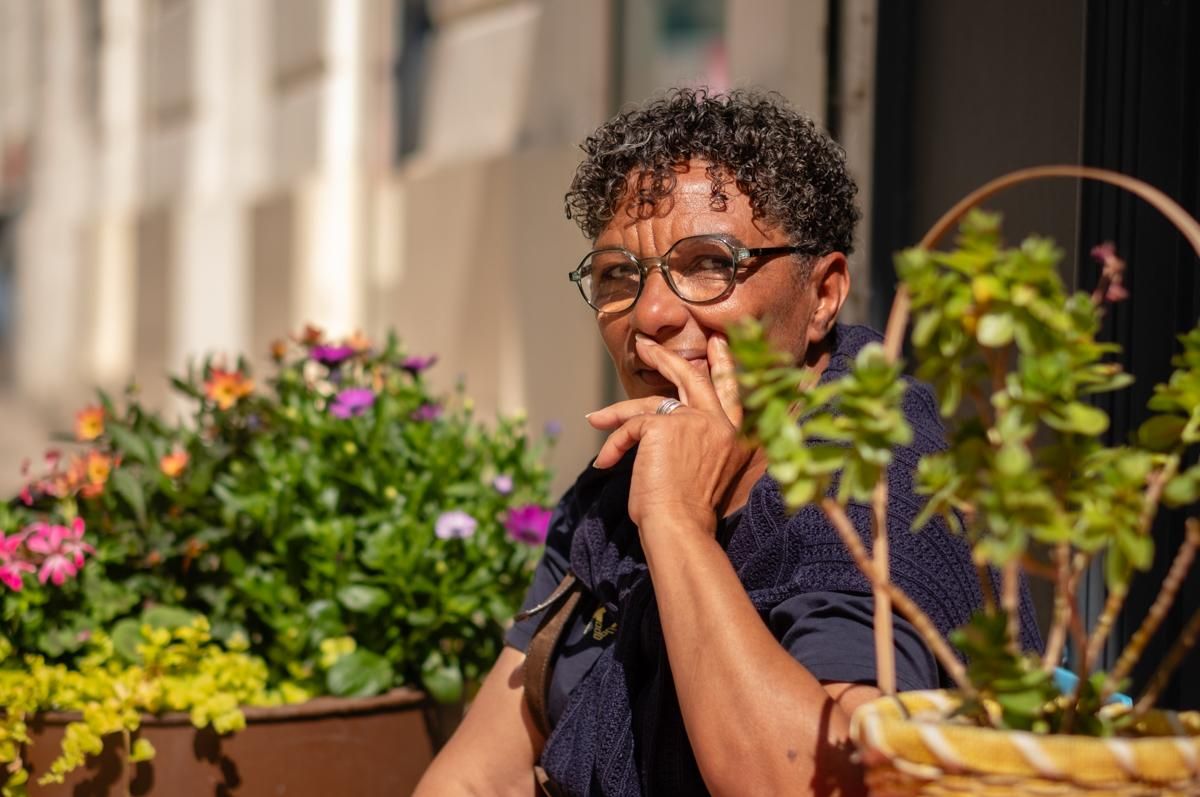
(882, 733)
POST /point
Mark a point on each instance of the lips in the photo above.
(651, 376)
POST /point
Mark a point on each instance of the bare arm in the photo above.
(493, 751)
(793, 728)
(757, 720)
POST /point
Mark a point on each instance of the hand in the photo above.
(688, 461)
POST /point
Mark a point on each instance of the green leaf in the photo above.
(360, 674)
(442, 680)
(130, 444)
(995, 330)
(1080, 419)
(1161, 433)
(126, 636)
(363, 598)
(169, 617)
(1183, 489)
(142, 751)
(128, 487)
(1026, 703)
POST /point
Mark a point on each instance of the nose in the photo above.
(658, 310)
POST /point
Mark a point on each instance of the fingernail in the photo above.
(640, 338)
(587, 415)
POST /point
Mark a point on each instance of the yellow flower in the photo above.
(89, 423)
(173, 464)
(226, 388)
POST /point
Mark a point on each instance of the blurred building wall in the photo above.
(191, 176)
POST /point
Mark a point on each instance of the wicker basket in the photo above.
(923, 754)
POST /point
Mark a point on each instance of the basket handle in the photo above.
(1183, 221)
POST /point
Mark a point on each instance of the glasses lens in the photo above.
(701, 268)
(610, 281)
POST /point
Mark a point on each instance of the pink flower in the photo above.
(455, 525)
(426, 412)
(12, 569)
(528, 524)
(415, 365)
(62, 547)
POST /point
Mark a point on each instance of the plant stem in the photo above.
(1057, 638)
(1158, 611)
(1043, 571)
(1112, 607)
(984, 574)
(1155, 484)
(885, 653)
(1179, 651)
(912, 612)
(1010, 599)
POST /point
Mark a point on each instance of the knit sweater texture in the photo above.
(621, 733)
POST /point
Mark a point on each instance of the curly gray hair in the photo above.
(793, 173)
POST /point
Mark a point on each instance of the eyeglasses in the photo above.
(699, 269)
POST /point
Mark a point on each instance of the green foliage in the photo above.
(292, 515)
(180, 668)
(1014, 361)
(843, 430)
(1017, 693)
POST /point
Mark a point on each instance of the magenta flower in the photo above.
(12, 568)
(352, 401)
(503, 484)
(426, 412)
(528, 524)
(415, 365)
(455, 525)
(62, 547)
(331, 356)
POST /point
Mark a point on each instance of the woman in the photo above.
(710, 641)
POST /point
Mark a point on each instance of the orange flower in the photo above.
(95, 471)
(226, 388)
(89, 423)
(278, 350)
(173, 464)
(311, 335)
(358, 341)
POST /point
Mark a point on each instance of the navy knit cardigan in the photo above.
(621, 733)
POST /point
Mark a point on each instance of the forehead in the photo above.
(690, 208)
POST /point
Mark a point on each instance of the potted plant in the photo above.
(343, 534)
(1012, 358)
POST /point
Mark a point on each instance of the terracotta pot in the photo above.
(923, 754)
(327, 746)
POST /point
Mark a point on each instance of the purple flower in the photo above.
(503, 484)
(352, 401)
(454, 525)
(331, 356)
(415, 365)
(553, 428)
(528, 524)
(426, 412)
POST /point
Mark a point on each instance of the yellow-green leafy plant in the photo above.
(995, 330)
(178, 668)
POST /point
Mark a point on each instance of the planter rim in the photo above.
(926, 746)
(319, 707)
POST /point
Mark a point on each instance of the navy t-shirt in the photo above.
(830, 633)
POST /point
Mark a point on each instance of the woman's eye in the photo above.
(706, 266)
(623, 272)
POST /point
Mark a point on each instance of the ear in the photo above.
(829, 284)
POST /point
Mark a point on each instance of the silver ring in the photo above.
(668, 406)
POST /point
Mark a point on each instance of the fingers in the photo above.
(620, 441)
(614, 415)
(695, 389)
(724, 378)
